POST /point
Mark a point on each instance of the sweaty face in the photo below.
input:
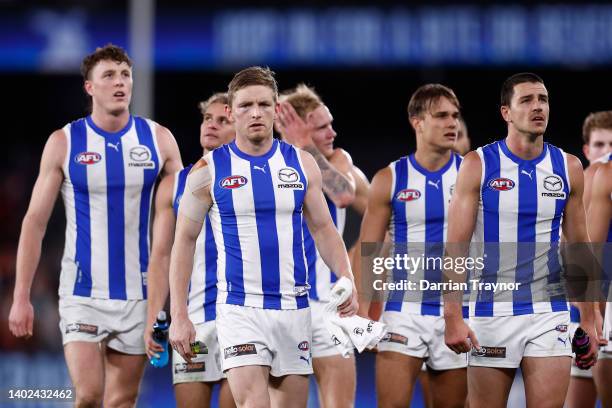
(323, 134)
(439, 126)
(216, 128)
(253, 111)
(528, 111)
(600, 144)
(110, 86)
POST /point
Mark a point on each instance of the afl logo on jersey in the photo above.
(87, 158)
(408, 194)
(501, 184)
(231, 182)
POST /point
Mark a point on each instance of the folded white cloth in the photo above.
(350, 332)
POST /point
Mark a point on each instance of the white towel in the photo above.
(350, 332)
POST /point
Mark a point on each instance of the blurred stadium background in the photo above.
(364, 59)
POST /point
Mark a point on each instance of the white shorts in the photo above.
(577, 372)
(279, 339)
(505, 340)
(421, 337)
(204, 367)
(322, 344)
(120, 323)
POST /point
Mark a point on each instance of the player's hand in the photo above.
(459, 337)
(182, 334)
(21, 318)
(151, 346)
(350, 305)
(589, 359)
(294, 129)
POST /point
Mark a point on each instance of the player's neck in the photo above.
(432, 159)
(254, 148)
(525, 146)
(109, 122)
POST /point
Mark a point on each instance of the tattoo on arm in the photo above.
(334, 182)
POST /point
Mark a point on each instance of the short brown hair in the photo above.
(219, 97)
(303, 98)
(422, 99)
(252, 76)
(507, 91)
(596, 120)
(108, 52)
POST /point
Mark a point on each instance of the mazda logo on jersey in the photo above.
(553, 185)
(501, 184)
(231, 182)
(140, 153)
(87, 158)
(288, 175)
(290, 178)
(140, 156)
(408, 194)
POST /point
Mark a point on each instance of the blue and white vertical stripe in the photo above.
(256, 219)
(108, 186)
(419, 217)
(320, 277)
(203, 283)
(522, 202)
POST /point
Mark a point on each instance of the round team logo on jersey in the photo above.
(232, 182)
(87, 158)
(408, 194)
(501, 184)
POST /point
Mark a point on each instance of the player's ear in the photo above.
(416, 123)
(505, 112)
(87, 86)
(228, 112)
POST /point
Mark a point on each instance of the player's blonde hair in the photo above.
(219, 97)
(303, 98)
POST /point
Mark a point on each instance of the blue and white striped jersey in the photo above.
(256, 218)
(107, 191)
(203, 284)
(320, 277)
(419, 218)
(522, 202)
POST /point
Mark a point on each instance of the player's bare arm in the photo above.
(362, 189)
(600, 209)
(170, 154)
(193, 207)
(462, 214)
(327, 239)
(33, 227)
(575, 231)
(159, 264)
(338, 183)
(373, 228)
